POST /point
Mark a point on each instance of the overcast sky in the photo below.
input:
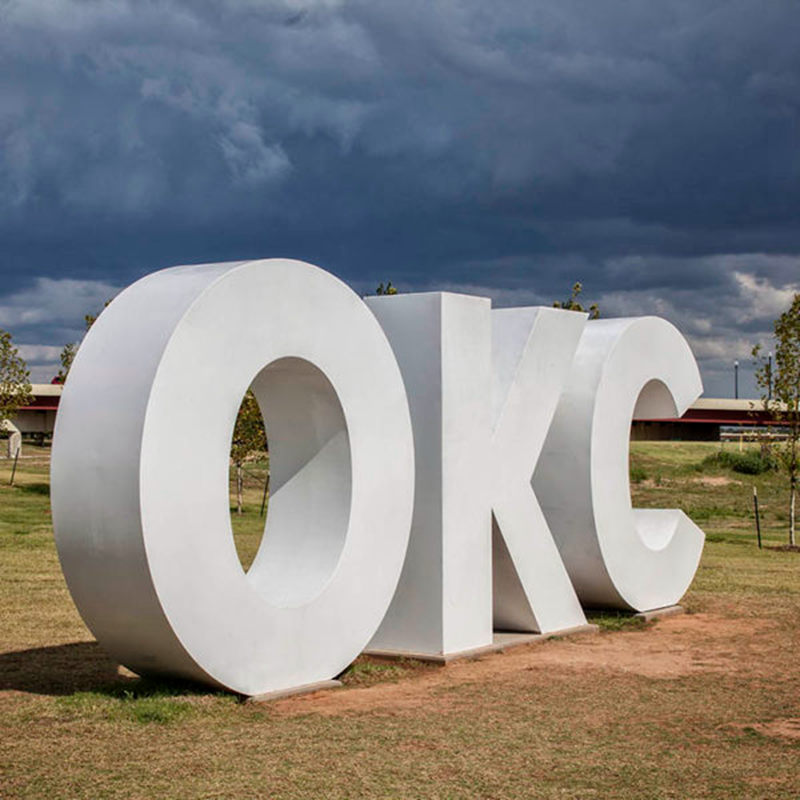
(648, 148)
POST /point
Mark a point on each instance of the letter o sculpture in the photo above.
(140, 475)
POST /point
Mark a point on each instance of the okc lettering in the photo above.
(439, 469)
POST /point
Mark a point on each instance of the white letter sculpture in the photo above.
(140, 475)
(511, 426)
(618, 557)
(443, 603)
(532, 351)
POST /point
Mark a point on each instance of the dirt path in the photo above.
(674, 647)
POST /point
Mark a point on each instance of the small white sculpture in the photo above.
(14, 444)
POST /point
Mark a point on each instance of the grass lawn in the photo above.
(705, 705)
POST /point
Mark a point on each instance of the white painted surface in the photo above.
(532, 350)
(617, 556)
(14, 445)
(140, 475)
(442, 343)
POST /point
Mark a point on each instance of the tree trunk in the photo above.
(792, 496)
(239, 489)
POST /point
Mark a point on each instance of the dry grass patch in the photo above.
(698, 706)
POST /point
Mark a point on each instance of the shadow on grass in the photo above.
(81, 667)
(34, 488)
(610, 620)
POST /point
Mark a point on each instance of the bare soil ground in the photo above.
(674, 647)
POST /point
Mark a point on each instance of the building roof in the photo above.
(727, 404)
(45, 397)
(715, 410)
(46, 389)
(723, 411)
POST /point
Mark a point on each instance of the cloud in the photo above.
(522, 97)
(49, 314)
(250, 160)
(55, 302)
(725, 321)
(722, 310)
(764, 301)
(43, 361)
(647, 149)
(39, 353)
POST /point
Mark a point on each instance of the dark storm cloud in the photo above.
(649, 149)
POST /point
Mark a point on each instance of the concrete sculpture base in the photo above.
(501, 642)
(309, 688)
(658, 613)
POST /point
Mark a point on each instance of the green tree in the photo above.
(249, 440)
(15, 386)
(388, 289)
(780, 384)
(573, 303)
(67, 357)
(90, 319)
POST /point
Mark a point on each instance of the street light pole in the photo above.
(736, 379)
